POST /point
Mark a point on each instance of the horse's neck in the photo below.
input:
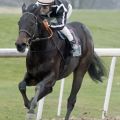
(39, 45)
(42, 31)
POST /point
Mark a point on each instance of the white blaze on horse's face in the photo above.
(44, 9)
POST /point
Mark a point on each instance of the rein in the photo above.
(24, 30)
(45, 23)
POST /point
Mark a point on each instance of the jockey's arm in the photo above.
(61, 20)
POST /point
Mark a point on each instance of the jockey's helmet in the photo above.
(45, 6)
(46, 2)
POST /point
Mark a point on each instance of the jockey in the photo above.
(57, 12)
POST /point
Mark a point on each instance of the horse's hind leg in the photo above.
(22, 88)
(77, 81)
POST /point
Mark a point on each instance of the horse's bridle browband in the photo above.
(33, 36)
(23, 30)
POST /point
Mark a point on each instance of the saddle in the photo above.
(77, 47)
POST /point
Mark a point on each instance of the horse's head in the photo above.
(27, 27)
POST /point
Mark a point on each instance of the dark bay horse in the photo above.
(47, 56)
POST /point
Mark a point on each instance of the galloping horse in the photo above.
(47, 56)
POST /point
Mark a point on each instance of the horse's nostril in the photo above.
(15, 44)
(18, 45)
(23, 44)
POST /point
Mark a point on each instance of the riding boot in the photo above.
(76, 48)
(72, 43)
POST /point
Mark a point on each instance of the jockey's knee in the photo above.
(67, 33)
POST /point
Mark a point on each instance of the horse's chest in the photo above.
(40, 69)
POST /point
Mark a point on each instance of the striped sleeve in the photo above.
(61, 18)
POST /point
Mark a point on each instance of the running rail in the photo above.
(104, 52)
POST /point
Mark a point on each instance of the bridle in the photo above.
(45, 23)
(33, 37)
(24, 30)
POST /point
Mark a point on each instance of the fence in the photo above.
(106, 52)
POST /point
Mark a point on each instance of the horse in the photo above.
(49, 58)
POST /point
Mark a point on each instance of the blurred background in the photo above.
(77, 4)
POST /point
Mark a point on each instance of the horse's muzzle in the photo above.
(21, 47)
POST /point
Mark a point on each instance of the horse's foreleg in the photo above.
(77, 81)
(22, 88)
(41, 90)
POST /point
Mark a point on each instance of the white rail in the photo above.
(109, 87)
(11, 52)
(107, 52)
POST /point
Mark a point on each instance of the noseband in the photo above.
(24, 30)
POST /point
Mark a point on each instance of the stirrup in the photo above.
(76, 50)
(72, 42)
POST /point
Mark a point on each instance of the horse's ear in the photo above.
(37, 10)
(24, 8)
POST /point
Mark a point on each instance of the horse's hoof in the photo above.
(27, 106)
(31, 112)
(31, 116)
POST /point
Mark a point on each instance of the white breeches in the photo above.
(67, 33)
(65, 30)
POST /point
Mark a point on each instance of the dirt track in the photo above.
(9, 10)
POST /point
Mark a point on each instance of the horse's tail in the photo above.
(97, 70)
